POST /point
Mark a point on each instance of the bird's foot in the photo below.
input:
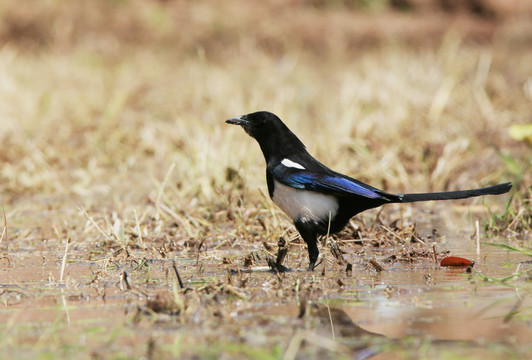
(313, 265)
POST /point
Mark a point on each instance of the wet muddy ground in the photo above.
(230, 305)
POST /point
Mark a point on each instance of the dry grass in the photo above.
(112, 127)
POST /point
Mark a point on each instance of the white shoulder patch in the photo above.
(292, 164)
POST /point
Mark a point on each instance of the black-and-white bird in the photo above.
(318, 199)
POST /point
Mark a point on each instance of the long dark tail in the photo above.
(462, 194)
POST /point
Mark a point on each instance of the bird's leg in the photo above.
(313, 254)
(311, 238)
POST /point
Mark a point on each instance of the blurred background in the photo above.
(99, 99)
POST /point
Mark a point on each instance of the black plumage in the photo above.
(318, 199)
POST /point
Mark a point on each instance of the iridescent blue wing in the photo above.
(327, 183)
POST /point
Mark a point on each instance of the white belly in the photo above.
(304, 205)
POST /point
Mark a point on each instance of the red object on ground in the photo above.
(456, 261)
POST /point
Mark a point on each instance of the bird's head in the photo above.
(258, 124)
(274, 138)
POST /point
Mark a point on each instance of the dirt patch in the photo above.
(320, 27)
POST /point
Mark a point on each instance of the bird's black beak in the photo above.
(239, 120)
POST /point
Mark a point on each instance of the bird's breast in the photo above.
(303, 204)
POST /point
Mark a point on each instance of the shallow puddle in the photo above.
(406, 310)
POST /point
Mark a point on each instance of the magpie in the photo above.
(320, 200)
